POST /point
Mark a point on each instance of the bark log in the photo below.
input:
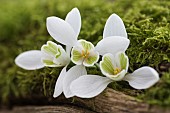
(47, 109)
(110, 101)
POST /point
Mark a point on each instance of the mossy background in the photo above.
(23, 27)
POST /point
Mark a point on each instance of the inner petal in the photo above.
(107, 66)
(87, 46)
(85, 54)
(122, 60)
(50, 48)
(117, 70)
(91, 59)
(76, 55)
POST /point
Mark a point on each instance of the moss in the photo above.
(23, 28)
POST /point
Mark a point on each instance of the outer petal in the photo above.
(142, 78)
(88, 86)
(59, 83)
(71, 75)
(68, 50)
(74, 19)
(112, 45)
(114, 27)
(61, 31)
(29, 60)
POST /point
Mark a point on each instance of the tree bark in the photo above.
(47, 109)
(110, 101)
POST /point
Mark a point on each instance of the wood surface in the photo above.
(110, 101)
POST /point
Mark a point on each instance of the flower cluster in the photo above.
(75, 81)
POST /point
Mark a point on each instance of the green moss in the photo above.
(23, 28)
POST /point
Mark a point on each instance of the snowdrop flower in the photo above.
(53, 55)
(114, 67)
(50, 55)
(66, 32)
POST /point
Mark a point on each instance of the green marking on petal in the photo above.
(123, 60)
(48, 62)
(86, 45)
(50, 48)
(52, 45)
(58, 54)
(76, 55)
(106, 65)
(91, 60)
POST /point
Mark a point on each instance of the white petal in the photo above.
(142, 78)
(112, 45)
(59, 83)
(74, 19)
(29, 60)
(61, 31)
(68, 50)
(88, 86)
(114, 27)
(71, 75)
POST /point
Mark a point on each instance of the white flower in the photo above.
(50, 55)
(53, 55)
(115, 69)
(66, 32)
(114, 64)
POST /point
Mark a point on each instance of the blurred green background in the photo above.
(23, 27)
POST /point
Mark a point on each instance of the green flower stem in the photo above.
(97, 65)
